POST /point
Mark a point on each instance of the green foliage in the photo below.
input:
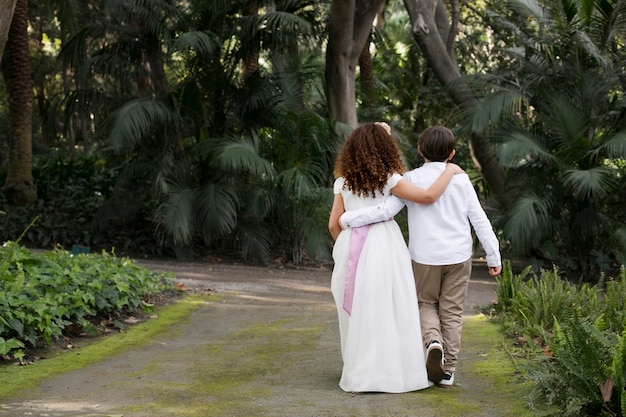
(70, 191)
(556, 113)
(509, 286)
(42, 294)
(581, 327)
(614, 303)
(619, 370)
(582, 362)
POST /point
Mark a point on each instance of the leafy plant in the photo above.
(579, 376)
(576, 330)
(509, 285)
(44, 294)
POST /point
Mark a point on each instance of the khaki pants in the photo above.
(441, 291)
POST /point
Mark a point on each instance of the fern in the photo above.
(583, 358)
(614, 306)
(509, 286)
(619, 370)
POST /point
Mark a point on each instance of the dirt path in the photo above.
(266, 345)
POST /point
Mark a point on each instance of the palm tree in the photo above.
(19, 184)
(559, 113)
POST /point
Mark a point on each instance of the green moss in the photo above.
(19, 378)
(492, 363)
(241, 365)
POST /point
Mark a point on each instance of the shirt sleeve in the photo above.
(482, 226)
(374, 214)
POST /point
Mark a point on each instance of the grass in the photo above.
(16, 379)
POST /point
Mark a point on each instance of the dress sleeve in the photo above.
(393, 180)
(338, 186)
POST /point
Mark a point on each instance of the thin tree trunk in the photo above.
(368, 86)
(435, 50)
(19, 185)
(348, 30)
(7, 7)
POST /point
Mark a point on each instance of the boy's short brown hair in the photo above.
(436, 143)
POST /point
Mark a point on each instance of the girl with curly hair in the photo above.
(372, 280)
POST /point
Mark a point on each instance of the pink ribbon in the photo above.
(357, 240)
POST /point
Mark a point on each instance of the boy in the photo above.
(440, 244)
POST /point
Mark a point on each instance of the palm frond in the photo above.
(315, 238)
(216, 209)
(567, 123)
(286, 23)
(206, 44)
(521, 148)
(614, 148)
(242, 156)
(528, 8)
(594, 184)
(590, 47)
(494, 107)
(504, 23)
(175, 216)
(137, 119)
(255, 238)
(258, 203)
(68, 14)
(529, 221)
(618, 238)
(300, 181)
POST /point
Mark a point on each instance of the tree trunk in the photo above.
(434, 46)
(7, 7)
(348, 30)
(368, 84)
(19, 186)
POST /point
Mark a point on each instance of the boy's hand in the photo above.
(385, 126)
(494, 271)
(457, 169)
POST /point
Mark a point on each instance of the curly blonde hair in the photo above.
(367, 159)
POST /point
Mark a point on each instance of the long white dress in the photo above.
(381, 340)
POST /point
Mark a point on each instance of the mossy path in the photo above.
(262, 343)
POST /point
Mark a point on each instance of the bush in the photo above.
(69, 192)
(580, 330)
(43, 295)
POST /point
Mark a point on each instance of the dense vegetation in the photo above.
(187, 129)
(569, 339)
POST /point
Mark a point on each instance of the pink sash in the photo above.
(357, 240)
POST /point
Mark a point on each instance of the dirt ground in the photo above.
(268, 347)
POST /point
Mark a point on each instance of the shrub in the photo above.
(580, 328)
(43, 294)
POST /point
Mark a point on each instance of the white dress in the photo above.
(381, 340)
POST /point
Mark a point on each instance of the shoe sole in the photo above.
(433, 365)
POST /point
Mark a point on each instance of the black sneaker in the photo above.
(434, 361)
(447, 381)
